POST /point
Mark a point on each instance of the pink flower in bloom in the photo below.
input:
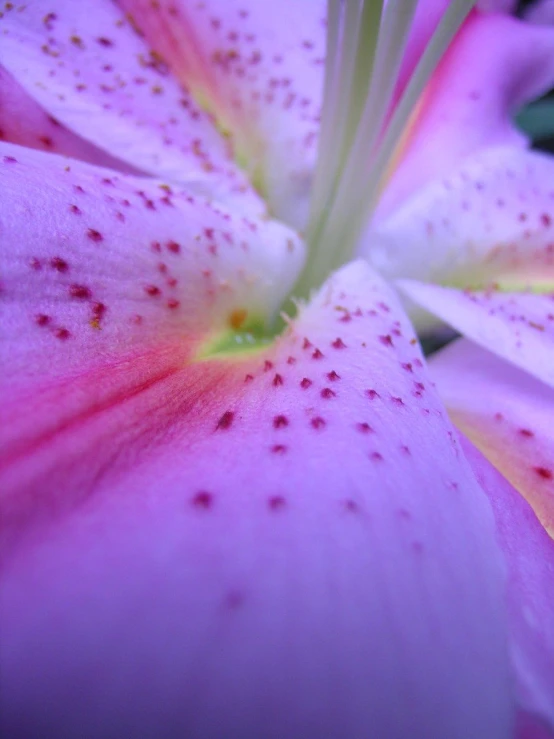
(213, 527)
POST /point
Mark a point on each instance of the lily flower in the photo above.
(218, 525)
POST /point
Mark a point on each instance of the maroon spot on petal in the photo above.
(405, 449)
(376, 456)
(41, 319)
(225, 421)
(62, 334)
(364, 428)
(408, 366)
(278, 448)
(156, 246)
(546, 219)
(351, 506)
(280, 422)
(105, 42)
(317, 354)
(248, 378)
(278, 380)
(152, 290)
(397, 401)
(291, 360)
(268, 365)
(386, 340)
(333, 376)
(526, 433)
(75, 209)
(79, 292)
(173, 247)
(173, 303)
(59, 264)
(10, 160)
(95, 235)
(318, 422)
(276, 503)
(202, 500)
(328, 393)
(305, 383)
(544, 473)
(338, 343)
(35, 264)
(306, 344)
(372, 394)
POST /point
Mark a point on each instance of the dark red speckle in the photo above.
(59, 264)
(202, 500)
(364, 428)
(80, 292)
(173, 247)
(95, 235)
(318, 422)
(276, 503)
(280, 422)
(277, 380)
(226, 420)
(62, 334)
(544, 473)
(41, 319)
(328, 393)
(338, 343)
(152, 290)
(305, 383)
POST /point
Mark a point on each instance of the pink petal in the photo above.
(494, 66)
(517, 327)
(165, 263)
(490, 220)
(529, 553)
(24, 122)
(300, 551)
(109, 284)
(258, 67)
(507, 414)
(86, 67)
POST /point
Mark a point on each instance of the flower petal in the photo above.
(507, 414)
(517, 327)
(86, 67)
(116, 280)
(164, 263)
(492, 220)
(24, 122)
(297, 553)
(494, 66)
(529, 553)
(258, 67)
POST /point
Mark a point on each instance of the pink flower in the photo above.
(215, 528)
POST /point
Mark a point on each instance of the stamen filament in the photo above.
(359, 142)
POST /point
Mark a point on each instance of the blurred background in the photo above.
(537, 120)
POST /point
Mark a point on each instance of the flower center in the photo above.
(368, 103)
